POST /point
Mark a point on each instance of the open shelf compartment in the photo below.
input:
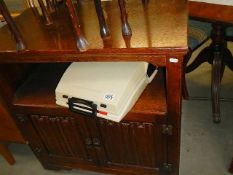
(38, 92)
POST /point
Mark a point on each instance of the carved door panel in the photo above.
(64, 137)
(133, 144)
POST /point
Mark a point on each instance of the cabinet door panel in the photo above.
(131, 143)
(62, 136)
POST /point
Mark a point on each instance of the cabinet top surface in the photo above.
(160, 24)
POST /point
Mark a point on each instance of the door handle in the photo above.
(88, 141)
(96, 142)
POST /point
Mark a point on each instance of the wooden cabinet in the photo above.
(63, 139)
(136, 146)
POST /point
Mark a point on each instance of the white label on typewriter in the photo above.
(108, 97)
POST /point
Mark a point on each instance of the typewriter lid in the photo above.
(103, 82)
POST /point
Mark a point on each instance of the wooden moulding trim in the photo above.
(211, 12)
(154, 56)
(116, 51)
(157, 60)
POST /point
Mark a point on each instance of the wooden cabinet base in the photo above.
(113, 169)
(62, 139)
(5, 152)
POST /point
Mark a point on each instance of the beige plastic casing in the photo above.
(118, 85)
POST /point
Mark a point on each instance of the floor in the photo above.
(206, 148)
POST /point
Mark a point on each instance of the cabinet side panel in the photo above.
(8, 129)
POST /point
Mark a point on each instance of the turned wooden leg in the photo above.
(81, 42)
(231, 167)
(48, 20)
(126, 30)
(215, 86)
(104, 31)
(4, 151)
(20, 44)
(219, 47)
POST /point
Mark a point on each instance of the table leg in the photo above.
(217, 72)
(218, 55)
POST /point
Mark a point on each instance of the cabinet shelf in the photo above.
(38, 92)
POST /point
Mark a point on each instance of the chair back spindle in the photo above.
(48, 19)
(104, 31)
(145, 2)
(30, 3)
(126, 29)
(20, 44)
(50, 6)
(81, 42)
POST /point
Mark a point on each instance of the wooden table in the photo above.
(215, 11)
(147, 141)
(217, 53)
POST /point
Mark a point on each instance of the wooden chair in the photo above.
(81, 43)
(218, 55)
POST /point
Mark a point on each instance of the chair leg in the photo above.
(4, 151)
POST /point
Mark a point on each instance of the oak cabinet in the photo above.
(62, 139)
(126, 144)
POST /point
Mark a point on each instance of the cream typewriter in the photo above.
(103, 89)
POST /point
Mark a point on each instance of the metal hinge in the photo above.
(167, 167)
(167, 129)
